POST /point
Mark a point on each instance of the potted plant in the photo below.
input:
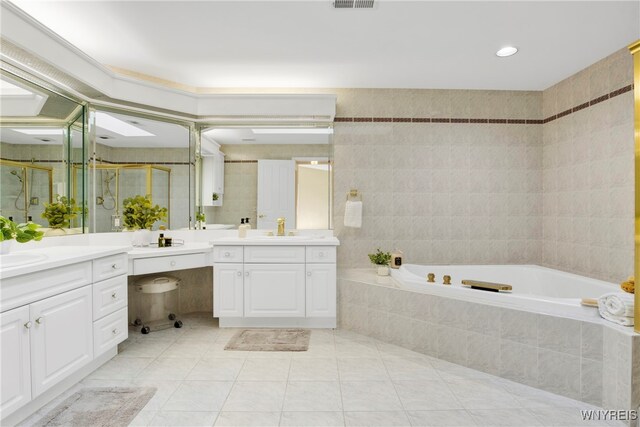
(59, 214)
(200, 220)
(381, 260)
(215, 196)
(22, 233)
(139, 214)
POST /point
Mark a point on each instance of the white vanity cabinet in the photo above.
(275, 286)
(47, 330)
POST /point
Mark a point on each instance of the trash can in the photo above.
(159, 297)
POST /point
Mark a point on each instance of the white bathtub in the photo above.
(536, 289)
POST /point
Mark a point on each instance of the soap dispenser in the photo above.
(396, 259)
(242, 229)
(246, 222)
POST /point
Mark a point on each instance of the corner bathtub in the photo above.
(535, 289)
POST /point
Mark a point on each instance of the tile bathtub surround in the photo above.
(320, 387)
(575, 359)
(588, 172)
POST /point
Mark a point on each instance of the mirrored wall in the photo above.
(264, 173)
(138, 155)
(42, 134)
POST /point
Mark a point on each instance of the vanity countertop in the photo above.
(39, 259)
(187, 248)
(277, 241)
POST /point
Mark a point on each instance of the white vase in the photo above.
(5, 247)
(383, 270)
(141, 238)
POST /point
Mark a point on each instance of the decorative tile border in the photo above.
(457, 120)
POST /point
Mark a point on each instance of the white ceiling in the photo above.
(246, 136)
(398, 44)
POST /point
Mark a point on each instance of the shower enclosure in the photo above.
(25, 189)
(116, 182)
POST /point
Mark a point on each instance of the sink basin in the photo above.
(280, 238)
(20, 258)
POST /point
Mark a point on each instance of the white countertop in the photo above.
(56, 256)
(187, 248)
(278, 241)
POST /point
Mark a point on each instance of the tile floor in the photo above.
(343, 379)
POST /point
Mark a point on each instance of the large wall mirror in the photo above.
(42, 135)
(136, 155)
(264, 173)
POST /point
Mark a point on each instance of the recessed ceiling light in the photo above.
(40, 131)
(280, 131)
(108, 122)
(7, 88)
(507, 51)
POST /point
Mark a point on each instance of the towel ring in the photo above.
(354, 195)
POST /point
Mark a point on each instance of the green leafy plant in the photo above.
(22, 233)
(140, 213)
(214, 196)
(200, 217)
(380, 258)
(61, 212)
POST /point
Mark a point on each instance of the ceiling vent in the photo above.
(353, 4)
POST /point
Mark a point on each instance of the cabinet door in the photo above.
(227, 290)
(15, 362)
(61, 337)
(321, 290)
(274, 290)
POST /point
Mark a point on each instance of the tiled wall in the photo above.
(588, 171)
(577, 359)
(460, 183)
(241, 177)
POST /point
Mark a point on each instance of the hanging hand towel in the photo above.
(353, 214)
(617, 307)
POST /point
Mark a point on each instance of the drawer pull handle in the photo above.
(227, 254)
(246, 273)
(239, 273)
(308, 273)
(115, 332)
(114, 266)
(173, 263)
(27, 325)
(39, 320)
(114, 295)
(321, 254)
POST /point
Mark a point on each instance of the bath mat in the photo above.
(98, 406)
(270, 340)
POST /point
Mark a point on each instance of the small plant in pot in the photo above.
(200, 220)
(381, 260)
(59, 214)
(21, 233)
(215, 196)
(139, 214)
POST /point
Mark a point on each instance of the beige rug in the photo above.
(270, 340)
(108, 406)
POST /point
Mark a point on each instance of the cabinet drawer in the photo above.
(227, 254)
(108, 267)
(43, 284)
(109, 331)
(274, 254)
(109, 296)
(168, 263)
(321, 254)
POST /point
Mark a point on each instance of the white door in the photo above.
(276, 193)
(61, 337)
(15, 367)
(227, 290)
(321, 290)
(274, 290)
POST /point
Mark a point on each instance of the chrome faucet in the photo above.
(280, 226)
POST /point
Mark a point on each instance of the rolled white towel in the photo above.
(353, 214)
(617, 307)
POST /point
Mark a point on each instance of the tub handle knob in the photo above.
(446, 280)
(431, 278)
